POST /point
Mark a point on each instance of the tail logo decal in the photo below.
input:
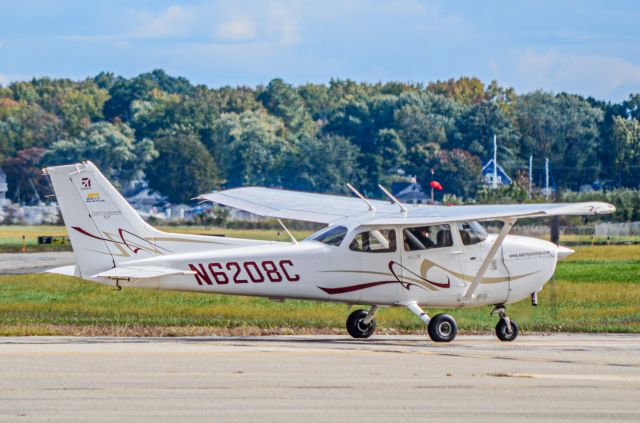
(94, 197)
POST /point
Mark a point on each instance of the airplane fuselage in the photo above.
(313, 270)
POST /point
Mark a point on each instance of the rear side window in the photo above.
(332, 236)
(427, 237)
(376, 241)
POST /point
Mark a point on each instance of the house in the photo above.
(409, 192)
(3, 186)
(488, 174)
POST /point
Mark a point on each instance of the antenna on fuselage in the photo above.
(362, 197)
(293, 238)
(393, 199)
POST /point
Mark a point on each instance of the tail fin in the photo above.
(103, 228)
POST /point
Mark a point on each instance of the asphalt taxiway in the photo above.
(561, 377)
(21, 263)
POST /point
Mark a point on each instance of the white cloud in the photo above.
(207, 22)
(597, 75)
(283, 23)
(4, 79)
(174, 21)
(238, 28)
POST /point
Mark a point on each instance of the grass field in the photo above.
(595, 290)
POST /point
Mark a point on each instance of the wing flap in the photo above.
(140, 272)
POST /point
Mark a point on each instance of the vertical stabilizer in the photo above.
(103, 228)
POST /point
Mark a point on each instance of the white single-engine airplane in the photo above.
(378, 253)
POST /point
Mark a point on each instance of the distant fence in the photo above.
(618, 229)
(600, 233)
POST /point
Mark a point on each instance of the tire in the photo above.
(355, 327)
(442, 328)
(502, 331)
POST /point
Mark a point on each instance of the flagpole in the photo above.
(432, 195)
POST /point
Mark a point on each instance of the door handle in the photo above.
(457, 252)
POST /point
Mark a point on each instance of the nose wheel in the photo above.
(507, 329)
(361, 324)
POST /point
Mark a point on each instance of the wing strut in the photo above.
(508, 224)
(293, 238)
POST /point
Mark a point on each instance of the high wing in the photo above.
(428, 215)
(330, 209)
(296, 205)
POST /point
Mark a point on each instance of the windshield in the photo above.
(332, 236)
(471, 232)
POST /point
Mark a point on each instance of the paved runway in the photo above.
(314, 378)
(17, 263)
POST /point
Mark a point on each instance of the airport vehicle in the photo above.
(372, 252)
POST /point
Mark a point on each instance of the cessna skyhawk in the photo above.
(372, 252)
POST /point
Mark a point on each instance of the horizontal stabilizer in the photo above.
(64, 270)
(141, 272)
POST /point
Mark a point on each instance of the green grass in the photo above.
(619, 271)
(37, 304)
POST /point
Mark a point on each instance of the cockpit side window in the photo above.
(426, 237)
(376, 241)
(332, 236)
(471, 233)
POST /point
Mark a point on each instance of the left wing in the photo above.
(330, 209)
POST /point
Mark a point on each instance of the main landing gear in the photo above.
(506, 329)
(361, 324)
(441, 327)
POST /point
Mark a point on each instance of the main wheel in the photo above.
(503, 333)
(442, 328)
(357, 328)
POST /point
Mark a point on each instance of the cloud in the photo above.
(206, 22)
(598, 75)
(4, 79)
(174, 21)
(283, 23)
(238, 28)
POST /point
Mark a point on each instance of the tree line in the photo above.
(189, 139)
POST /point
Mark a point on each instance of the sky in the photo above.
(586, 47)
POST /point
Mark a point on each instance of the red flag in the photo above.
(436, 185)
